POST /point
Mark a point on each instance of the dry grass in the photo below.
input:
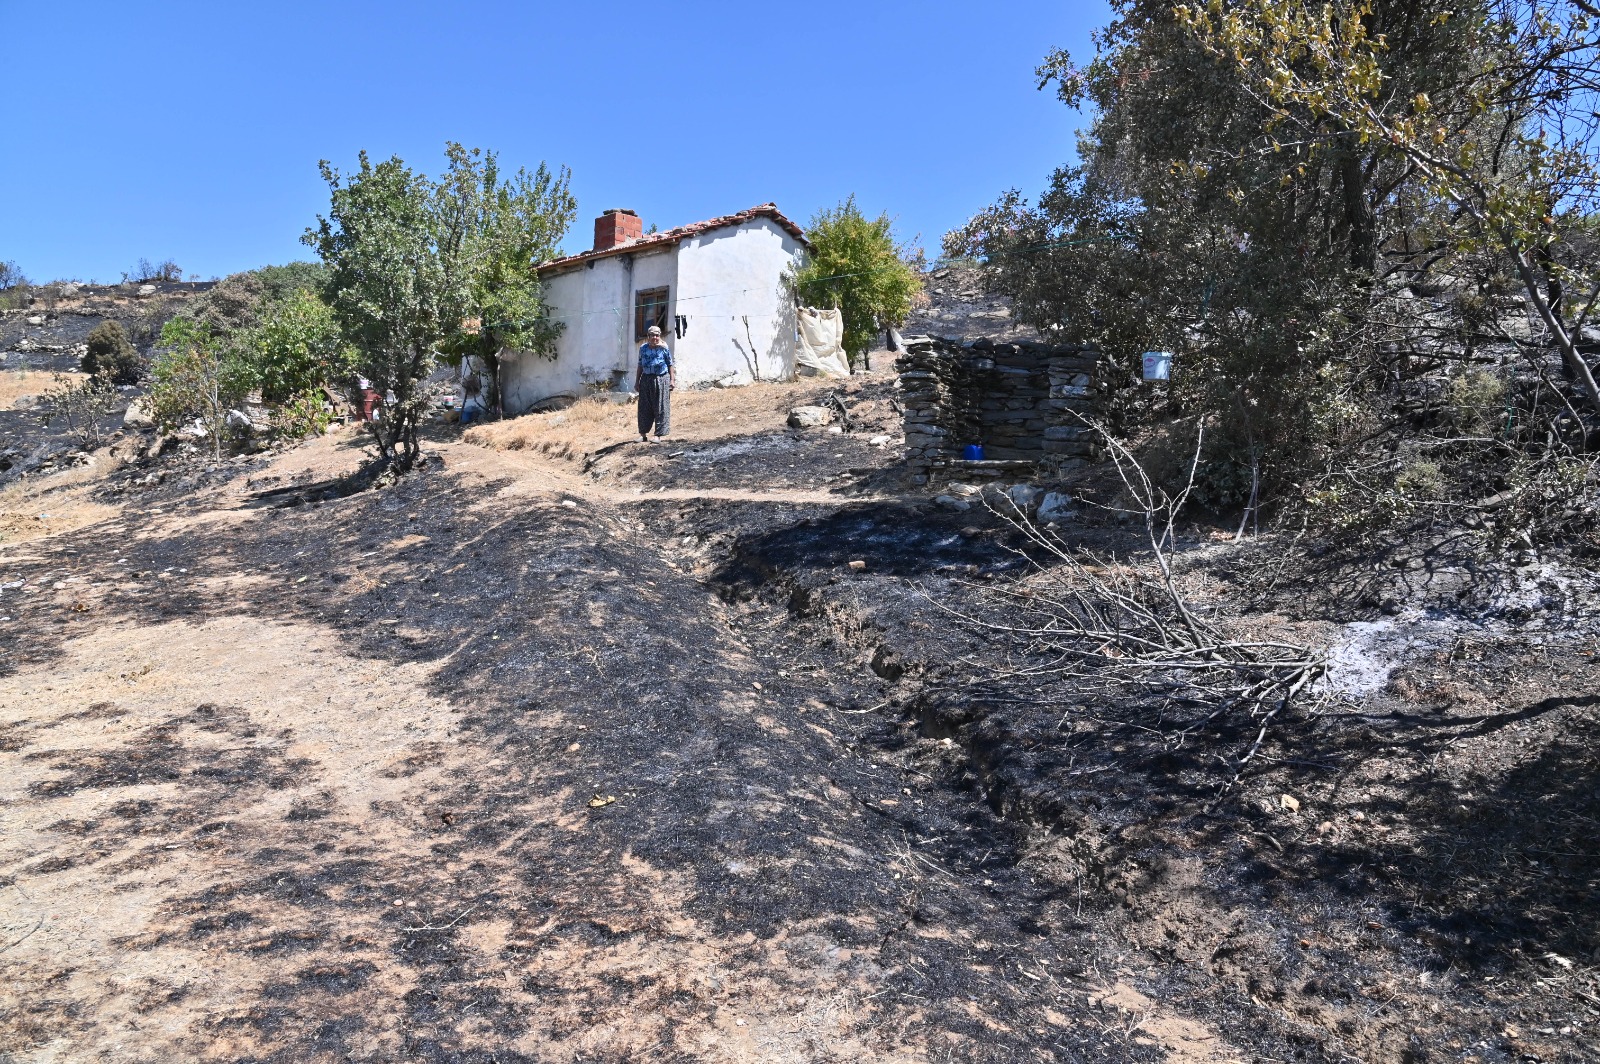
(16, 383)
(588, 423)
(592, 423)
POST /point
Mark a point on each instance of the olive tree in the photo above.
(1260, 193)
(1506, 157)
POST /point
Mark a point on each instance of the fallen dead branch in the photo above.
(1106, 626)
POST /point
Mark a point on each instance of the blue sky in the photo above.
(192, 130)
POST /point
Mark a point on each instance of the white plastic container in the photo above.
(1158, 365)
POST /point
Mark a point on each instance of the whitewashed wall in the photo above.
(718, 279)
(726, 276)
(590, 349)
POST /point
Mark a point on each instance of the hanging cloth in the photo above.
(821, 349)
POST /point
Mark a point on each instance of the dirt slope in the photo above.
(580, 750)
(475, 768)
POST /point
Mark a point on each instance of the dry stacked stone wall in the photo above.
(1018, 400)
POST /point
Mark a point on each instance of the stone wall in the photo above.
(1017, 399)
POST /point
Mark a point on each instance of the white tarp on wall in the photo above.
(821, 349)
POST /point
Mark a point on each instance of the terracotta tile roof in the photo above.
(683, 232)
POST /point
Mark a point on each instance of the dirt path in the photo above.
(478, 768)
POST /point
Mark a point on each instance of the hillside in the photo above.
(573, 749)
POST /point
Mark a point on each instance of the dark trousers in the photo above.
(655, 404)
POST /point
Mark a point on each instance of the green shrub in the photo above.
(296, 348)
(1420, 481)
(82, 404)
(1476, 401)
(15, 290)
(195, 377)
(111, 355)
(306, 414)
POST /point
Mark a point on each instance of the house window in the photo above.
(649, 308)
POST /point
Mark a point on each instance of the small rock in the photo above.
(1023, 496)
(810, 417)
(146, 290)
(1056, 506)
(138, 415)
(858, 564)
(950, 502)
(880, 441)
(1289, 802)
(35, 319)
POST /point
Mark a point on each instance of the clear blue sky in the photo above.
(193, 130)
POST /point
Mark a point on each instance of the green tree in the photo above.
(507, 229)
(83, 404)
(110, 354)
(240, 301)
(855, 266)
(417, 268)
(196, 377)
(1504, 159)
(1274, 246)
(394, 285)
(297, 348)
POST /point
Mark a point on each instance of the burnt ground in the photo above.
(47, 338)
(621, 759)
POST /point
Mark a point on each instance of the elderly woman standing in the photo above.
(655, 380)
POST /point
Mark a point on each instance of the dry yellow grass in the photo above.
(595, 422)
(559, 433)
(16, 383)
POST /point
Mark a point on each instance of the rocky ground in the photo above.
(569, 748)
(45, 339)
(958, 305)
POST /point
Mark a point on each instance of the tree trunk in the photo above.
(1558, 330)
(491, 361)
(1358, 214)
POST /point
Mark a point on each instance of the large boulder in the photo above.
(810, 417)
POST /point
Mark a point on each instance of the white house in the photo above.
(715, 288)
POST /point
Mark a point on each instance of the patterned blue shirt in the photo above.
(654, 359)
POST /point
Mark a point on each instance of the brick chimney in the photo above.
(615, 228)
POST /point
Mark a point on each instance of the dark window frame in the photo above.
(650, 306)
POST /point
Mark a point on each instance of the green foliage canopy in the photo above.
(417, 268)
(110, 354)
(195, 377)
(297, 348)
(856, 266)
(508, 228)
(1249, 197)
